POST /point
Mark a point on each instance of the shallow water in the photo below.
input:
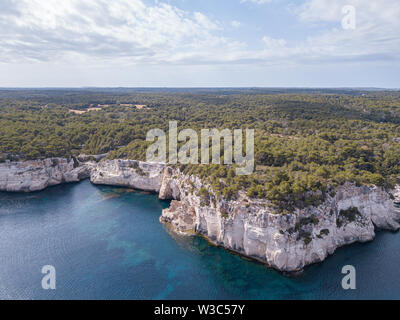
(107, 243)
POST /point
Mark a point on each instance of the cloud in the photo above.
(236, 24)
(274, 43)
(128, 29)
(125, 32)
(375, 37)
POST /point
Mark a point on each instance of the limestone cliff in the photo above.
(28, 176)
(129, 173)
(286, 242)
(251, 227)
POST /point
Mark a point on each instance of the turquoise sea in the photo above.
(107, 243)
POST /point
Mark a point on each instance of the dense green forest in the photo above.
(306, 141)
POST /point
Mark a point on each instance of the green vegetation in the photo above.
(137, 168)
(204, 197)
(347, 216)
(307, 142)
(350, 214)
(324, 232)
(304, 222)
(305, 236)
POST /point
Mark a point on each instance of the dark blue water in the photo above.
(107, 243)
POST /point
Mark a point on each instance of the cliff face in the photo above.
(129, 173)
(37, 175)
(28, 176)
(286, 242)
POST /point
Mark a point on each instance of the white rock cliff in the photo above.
(129, 173)
(286, 242)
(36, 175)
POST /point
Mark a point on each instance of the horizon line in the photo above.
(200, 87)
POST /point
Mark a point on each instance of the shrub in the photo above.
(324, 232)
(350, 214)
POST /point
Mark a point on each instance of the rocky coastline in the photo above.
(286, 242)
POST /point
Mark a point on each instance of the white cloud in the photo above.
(131, 32)
(126, 29)
(205, 22)
(274, 43)
(376, 36)
(375, 39)
(236, 24)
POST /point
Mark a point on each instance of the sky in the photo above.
(200, 43)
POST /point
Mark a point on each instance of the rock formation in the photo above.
(36, 175)
(287, 242)
(129, 173)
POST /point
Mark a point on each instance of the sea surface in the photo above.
(107, 243)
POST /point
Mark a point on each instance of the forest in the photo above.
(307, 141)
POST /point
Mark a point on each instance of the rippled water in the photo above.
(107, 243)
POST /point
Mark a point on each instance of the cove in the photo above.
(107, 243)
